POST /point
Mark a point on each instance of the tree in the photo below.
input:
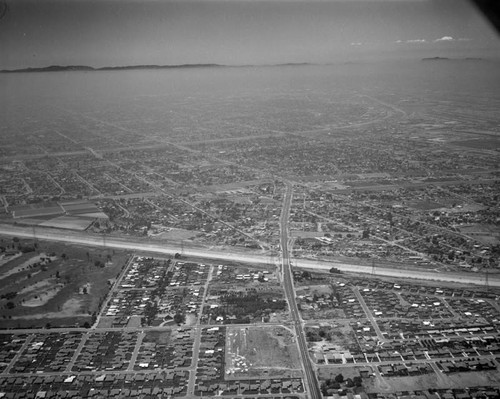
(179, 318)
(357, 381)
(339, 378)
(10, 305)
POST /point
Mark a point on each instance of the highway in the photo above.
(189, 249)
(310, 376)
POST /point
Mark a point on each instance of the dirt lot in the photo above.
(253, 352)
(486, 233)
(54, 284)
(455, 380)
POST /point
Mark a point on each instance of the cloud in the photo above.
(445, 39)
(356, 44)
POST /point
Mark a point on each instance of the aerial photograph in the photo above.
(249, 199)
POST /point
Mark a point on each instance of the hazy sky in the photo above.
(122, 32)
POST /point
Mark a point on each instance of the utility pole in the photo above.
(35, 241)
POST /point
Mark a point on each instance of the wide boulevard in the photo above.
(188, 249)
(310, 375)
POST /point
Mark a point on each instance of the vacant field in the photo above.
(257, 351)
(481, 144)
(176, 235)
(55, 284)
(455, 380)
(488, 234)
(306, 234)
(68, 222)
(158, 337)
(427, 205)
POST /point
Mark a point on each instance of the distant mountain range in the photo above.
(451, 59)
(63, 68)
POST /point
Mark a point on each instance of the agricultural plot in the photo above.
(256, 351)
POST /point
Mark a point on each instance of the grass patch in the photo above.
(57, 284)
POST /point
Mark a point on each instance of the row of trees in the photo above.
(329, 385)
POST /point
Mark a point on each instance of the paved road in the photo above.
(111, 291)
(310, 375)
(134, 244)
(369, 314)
